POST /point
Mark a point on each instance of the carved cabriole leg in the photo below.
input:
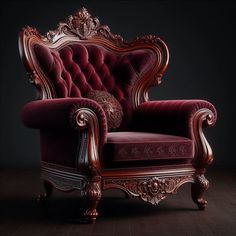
(87, 121)
(93, 194)
(198, 188)
(42, 198)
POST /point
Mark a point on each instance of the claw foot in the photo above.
(198, 188)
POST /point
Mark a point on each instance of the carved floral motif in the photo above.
(84, 26)
(149, 150)
(111, 106)
(151, 190)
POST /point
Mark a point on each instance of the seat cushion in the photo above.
(140, 146)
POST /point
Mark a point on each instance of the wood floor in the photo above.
(177, 215)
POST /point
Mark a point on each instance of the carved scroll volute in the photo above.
(87, 121)
(27, 38)
(153, 78)
(203, 151)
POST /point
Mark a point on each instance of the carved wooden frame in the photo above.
(82, 27)
(151, 184)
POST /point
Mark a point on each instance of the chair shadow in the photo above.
(70, 209)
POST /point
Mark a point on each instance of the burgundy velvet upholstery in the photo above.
(59, 146)
(77, 69)
(43, 114)
(141, 146)
(169, 117)
(58, 136)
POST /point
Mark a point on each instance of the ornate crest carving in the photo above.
(151, 190)
(84, 26)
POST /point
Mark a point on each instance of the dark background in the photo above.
(200, 38)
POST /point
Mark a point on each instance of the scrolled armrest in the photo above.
(172, 116)
(85, 118)
(61, 112)
(50, 113)
(183, 118)
(81, 114)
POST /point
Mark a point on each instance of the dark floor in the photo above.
(177, 215)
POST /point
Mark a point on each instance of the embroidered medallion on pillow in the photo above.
(111, 107)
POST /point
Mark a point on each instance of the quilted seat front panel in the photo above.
(141, 146)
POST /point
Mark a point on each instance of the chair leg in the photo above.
(198, 188)
(42, 198)
(93, 194)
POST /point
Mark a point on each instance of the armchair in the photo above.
(98, 129)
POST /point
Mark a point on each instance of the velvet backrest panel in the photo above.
(76, 69)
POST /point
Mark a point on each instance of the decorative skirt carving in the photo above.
(152, 189)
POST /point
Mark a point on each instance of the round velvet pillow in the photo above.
(110, 105)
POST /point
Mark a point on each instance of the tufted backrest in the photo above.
(81, 55)
(76, 69)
